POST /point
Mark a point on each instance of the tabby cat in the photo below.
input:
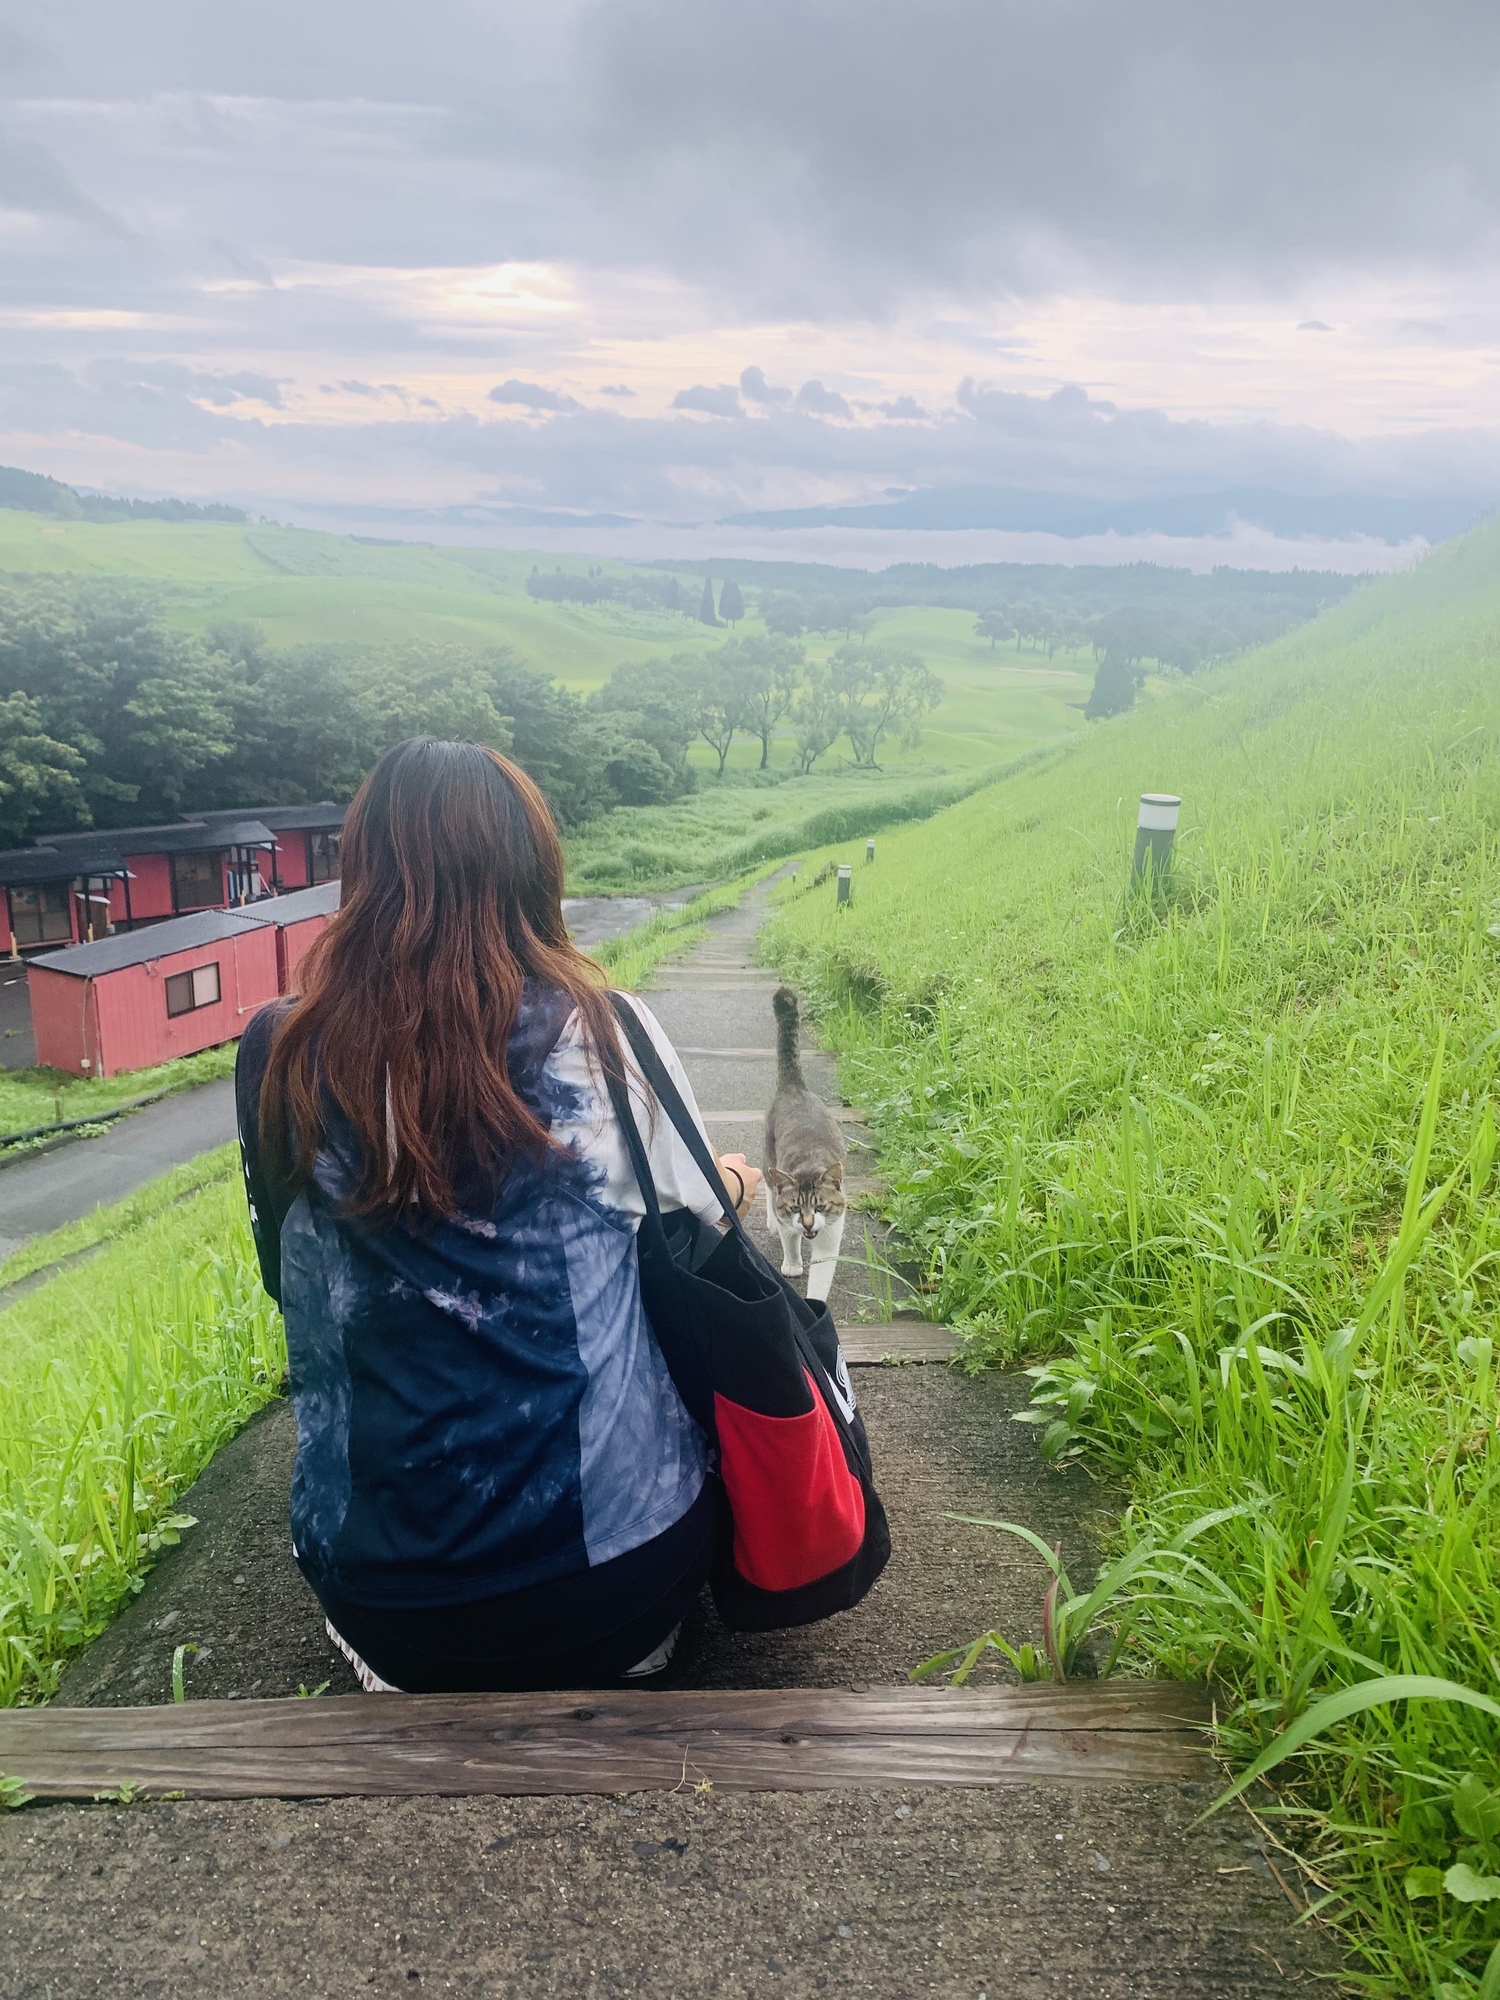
(804, 1162)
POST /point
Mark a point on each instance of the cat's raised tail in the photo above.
(788, 1038)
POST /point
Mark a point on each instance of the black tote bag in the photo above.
(761, 1370)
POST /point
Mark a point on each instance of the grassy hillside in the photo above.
(1224, 1172)
(301, 587)
(304, 587)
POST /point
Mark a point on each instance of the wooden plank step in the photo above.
(895, 1341)
(800, 1740)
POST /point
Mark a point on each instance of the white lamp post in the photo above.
(1155, 833)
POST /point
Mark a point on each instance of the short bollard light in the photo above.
(869, 850)
(1155, 832)
(846, 881)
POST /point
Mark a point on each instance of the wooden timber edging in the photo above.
(890, 1343)
(533, 1745)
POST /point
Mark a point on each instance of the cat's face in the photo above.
(808, 1202)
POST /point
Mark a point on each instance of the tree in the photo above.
(882, 692)
(784, 614)
(764, 674)
(993, 625)
(655, 702)
(38, 775)
(706, 614)
(719, 705)
(731, 604)
(1114, 688)
(817, 717)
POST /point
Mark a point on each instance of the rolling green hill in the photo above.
(300, 587)
(1223, 1170)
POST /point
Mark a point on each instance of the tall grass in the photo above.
(34, 1097)
(729, 826)
(1223, 1170)
(118, 1381)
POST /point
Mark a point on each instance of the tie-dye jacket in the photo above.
(480, 1404)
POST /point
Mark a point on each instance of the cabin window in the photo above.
(322, 857)
(187, 991)
(40, 915)
(197, 882)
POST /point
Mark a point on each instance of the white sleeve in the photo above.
(594, 1134)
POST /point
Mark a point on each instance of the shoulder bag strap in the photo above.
(669, 1097)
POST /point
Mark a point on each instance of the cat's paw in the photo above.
(791, 1270)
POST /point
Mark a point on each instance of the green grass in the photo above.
(105, 1225)
(118, 1381)
(1223, 1171)
(725, 828)
(302, 587)
(32, 1097)
(630, 959)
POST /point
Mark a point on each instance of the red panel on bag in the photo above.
(798, 1511)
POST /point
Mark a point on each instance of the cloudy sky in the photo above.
(481, 265)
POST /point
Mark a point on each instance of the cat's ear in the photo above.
(834, 1174)
(777, 1178)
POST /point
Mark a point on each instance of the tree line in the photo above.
(110, 718)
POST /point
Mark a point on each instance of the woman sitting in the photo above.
(497, 1484)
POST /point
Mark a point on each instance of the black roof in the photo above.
(86, 961)
(91, 854)
(285, 819)
(321, 901)
(57, 856)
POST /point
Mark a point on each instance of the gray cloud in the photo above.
(208, 199)
(33, 182)
(532, 396)
(223, 391)
(820, 402)
(1092, 141)
(714, 400)
(756, 389)
(674, 468)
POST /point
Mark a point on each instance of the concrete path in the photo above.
(1031, 1893)
(47, 1190)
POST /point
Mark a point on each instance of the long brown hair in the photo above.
(452, 898)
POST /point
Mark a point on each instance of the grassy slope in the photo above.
(1181, 1155)
(305, 587)
(118, 1381)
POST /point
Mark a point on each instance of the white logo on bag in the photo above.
(843, 1388)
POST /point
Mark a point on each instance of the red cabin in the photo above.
(74, 888)
(296, 919)
(132, 1001)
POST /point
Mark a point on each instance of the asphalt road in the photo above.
(46, 1190)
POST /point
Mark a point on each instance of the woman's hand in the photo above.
(735, 1167)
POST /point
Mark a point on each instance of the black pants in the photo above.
(581, 1631)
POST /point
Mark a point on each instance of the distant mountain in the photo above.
(1384, 517)
(35, 493)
